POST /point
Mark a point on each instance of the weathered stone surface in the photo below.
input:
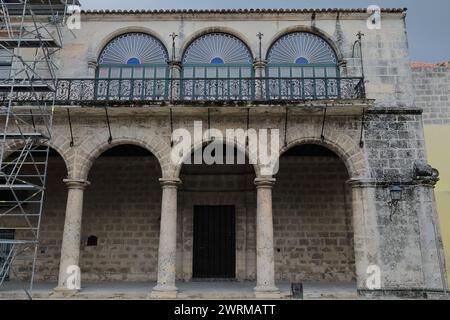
(146, 233)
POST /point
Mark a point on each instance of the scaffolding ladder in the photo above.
(31, 33)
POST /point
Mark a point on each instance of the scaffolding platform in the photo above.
(26, 87)
(39, 7)
(17, 136)
(19, 187)
(16, 242)
(11, 43)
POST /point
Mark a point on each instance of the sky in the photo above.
(428, 20)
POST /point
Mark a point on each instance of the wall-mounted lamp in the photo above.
(396, 193)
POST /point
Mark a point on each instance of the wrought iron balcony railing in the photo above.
(91, 91)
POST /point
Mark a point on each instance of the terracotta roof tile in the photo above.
(418, 64)
(237, 11)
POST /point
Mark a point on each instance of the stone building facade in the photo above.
(118, 207)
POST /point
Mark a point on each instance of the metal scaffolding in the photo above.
(31, 33)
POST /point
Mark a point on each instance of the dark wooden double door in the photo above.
(214, 242)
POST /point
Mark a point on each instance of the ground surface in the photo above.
(191, 290)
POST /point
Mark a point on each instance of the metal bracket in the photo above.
(71, 131)
(171, 127)
(110, 139)
(322, 136)
(363, 123)
(286, 121)
(247, 141)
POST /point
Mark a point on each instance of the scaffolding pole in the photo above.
(31, 33)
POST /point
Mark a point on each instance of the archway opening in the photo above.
(122, 209)
(16, 224)
(217, 219)
(313, 227)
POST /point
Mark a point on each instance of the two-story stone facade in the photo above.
(350, 138)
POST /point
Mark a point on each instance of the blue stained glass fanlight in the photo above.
(301, 48)
(217, 48)
(134, 49)
(133, 61)
(217, 60)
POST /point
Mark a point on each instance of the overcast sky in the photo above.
(428, 20)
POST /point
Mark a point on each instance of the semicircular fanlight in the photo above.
(134, 49)
(301, 48)
(217, 48)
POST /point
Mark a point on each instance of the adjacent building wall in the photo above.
(432, 86)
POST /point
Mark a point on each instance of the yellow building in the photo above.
(432, 84)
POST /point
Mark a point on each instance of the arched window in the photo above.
(218, 55)
(301, 54)
(217, 66)
(302, 65)
(133, 56)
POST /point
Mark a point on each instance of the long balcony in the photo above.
(148, 91)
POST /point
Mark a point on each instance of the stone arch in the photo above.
(218, 29)
(60, 148)
(96, 150)
(314, 30)
(177, 168)
(98, 49)
(344, 147)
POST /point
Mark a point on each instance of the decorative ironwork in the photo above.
(134, 49)
(133, 55)
(117, 91)
(224, 89)
(217, 48)
(301, 48)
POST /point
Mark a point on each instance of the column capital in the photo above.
(92, 64)
(265, 183)
(76, 184)
(170, 183)
(259, 63)
(177, 64)
(363, 183)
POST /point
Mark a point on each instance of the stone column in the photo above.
(259, 68)
(366, 234)
(166, 288)
(175, 79)
(92, 68)
(69, 277)
(265, 260)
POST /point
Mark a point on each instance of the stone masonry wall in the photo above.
(122, 208)
(432, 86)
(313, 228)
(312, 221)
(52, 224)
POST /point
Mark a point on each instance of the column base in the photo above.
(164, 293)
(62, 292)
(267, 293)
